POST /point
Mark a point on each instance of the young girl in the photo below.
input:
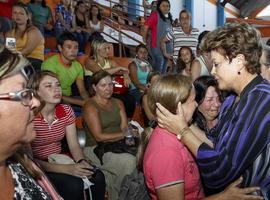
(185, 58)
(54, 122)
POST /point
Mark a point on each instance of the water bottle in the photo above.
(129, 139)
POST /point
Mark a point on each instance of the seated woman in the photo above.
(147, 114)
(139, 70)
(170, 170)
(64, 17)
(29, 40)
(101, 61)
(41, 15)
(106, 120)
(54, 122)
(96, 24)
(184, 61)
(80, 25)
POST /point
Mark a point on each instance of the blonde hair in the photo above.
(169, 90)
(96, 46)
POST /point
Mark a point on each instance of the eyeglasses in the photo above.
(25, 96)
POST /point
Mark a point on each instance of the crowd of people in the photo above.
(203, 99)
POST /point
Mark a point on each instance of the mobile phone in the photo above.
(11, 43)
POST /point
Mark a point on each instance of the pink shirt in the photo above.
(167, 162)
(152, 23)
(49, 136)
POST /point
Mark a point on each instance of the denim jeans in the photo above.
(159, 62)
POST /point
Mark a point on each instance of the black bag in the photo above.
(119, 146)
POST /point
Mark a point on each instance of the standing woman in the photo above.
(53, 123)
(159, 23)
(241, 141)
(29, 40)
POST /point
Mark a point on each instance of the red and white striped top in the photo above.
(49, 136)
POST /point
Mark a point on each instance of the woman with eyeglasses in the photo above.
(19, 179)
(240, 141)
(53, 123)
(28, 39)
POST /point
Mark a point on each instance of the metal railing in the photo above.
(118, 27)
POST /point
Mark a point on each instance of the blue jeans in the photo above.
(159, 62)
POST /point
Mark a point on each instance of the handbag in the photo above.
(119, 84)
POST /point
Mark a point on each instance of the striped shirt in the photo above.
(49, 136)
(241, 141)
(180, 38)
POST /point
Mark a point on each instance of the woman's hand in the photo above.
(234, 192)
(168, 56)
(127, 80)
(80, 169)
(169, 121)
(123, 69)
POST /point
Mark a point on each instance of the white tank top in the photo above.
(96, 27)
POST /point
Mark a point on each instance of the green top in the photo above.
(67, 74)
(110, 120)
(40, 15)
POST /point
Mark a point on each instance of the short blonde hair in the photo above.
(96, 46)
(169, 90)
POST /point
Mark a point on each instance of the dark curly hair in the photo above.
(233, 39)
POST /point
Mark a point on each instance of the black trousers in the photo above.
(71, 187)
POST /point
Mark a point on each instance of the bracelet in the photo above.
(79, 161)
(182, 132)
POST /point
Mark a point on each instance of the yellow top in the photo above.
(106, 65)
(37, 53)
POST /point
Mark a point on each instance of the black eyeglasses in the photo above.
(25, 96)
